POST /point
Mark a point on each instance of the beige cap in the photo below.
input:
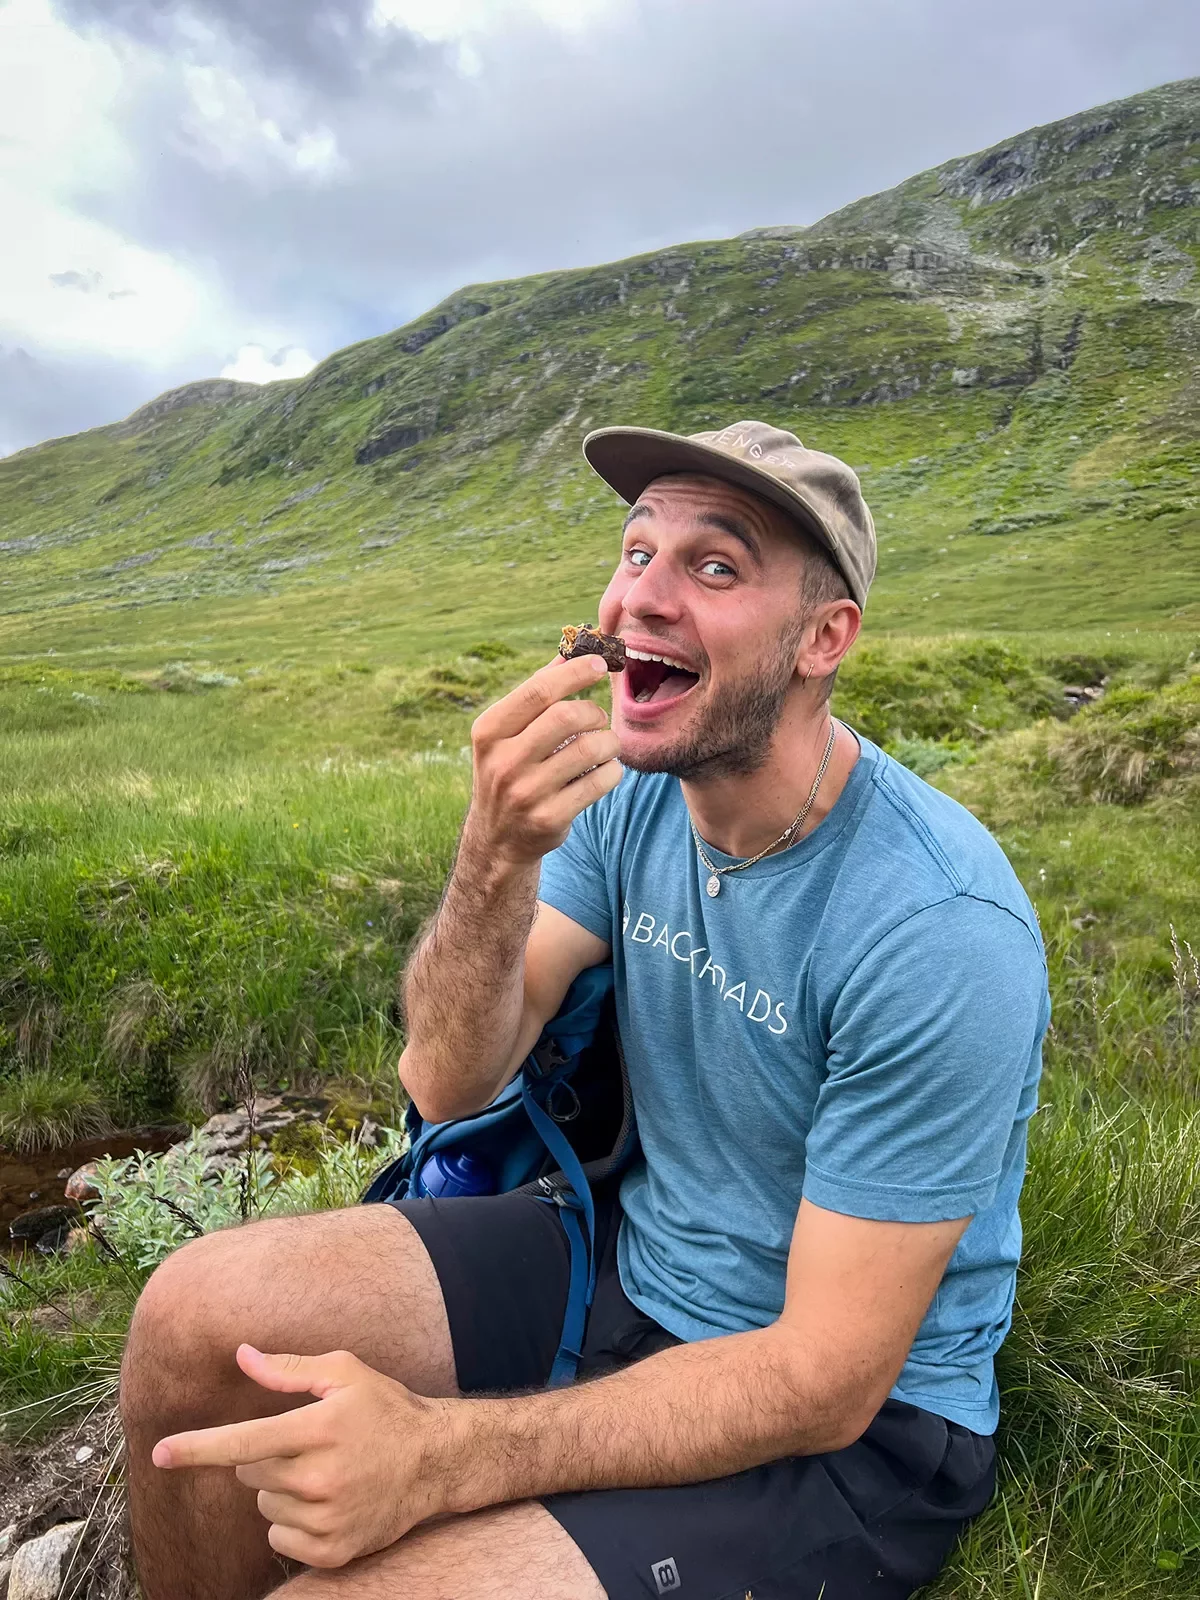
(821, 492)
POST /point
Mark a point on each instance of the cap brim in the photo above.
(630, 459)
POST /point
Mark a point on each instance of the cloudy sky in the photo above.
(197, 187)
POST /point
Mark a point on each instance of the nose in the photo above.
(656, 592)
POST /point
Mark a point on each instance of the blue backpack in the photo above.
(564, 1123)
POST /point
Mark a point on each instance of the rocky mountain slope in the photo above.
(1006, 348)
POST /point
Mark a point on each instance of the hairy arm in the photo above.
(486, 977)
(811, 1382)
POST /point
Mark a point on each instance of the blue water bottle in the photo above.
(448, 1177)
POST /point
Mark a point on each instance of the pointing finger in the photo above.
(238, 1443)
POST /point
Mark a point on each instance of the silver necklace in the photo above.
(716, 873)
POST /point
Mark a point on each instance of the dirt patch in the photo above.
(44, 1484)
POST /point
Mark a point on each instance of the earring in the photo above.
(808, 674)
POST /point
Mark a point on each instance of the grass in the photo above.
(41, 1111)
(195, 885)
(178, 905)
(1100, 1442)
(198, 882)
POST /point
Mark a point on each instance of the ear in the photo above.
(830, 632)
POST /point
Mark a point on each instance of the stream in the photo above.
(36, 1179)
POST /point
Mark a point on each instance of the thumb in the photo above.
(286, 1374)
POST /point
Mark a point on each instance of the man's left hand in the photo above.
(338, 1479)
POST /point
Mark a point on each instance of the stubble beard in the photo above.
(733, 736)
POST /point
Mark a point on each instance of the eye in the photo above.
(718, 569)
(638, 558)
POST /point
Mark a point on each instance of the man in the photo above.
(831, 993)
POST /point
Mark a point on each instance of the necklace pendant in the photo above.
(713, 886)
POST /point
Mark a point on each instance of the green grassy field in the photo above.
(195, 877)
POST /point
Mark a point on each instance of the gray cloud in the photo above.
(674, 120)
(86, 282)
(329, 45)
(43, 396)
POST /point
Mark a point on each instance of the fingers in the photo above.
(302, 1547)
(561, 721)
(306, 1516)
(286, 1374)
(581, 755)
(583, 791)
(535, 792)
(549, 684)
(290, 1475)
(589, 788)
(239, 1443)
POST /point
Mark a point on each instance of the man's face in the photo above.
(710, 579)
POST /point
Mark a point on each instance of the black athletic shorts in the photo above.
(876, 1519)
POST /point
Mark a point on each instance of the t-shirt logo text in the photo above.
(681, 945)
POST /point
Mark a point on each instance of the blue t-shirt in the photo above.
(857, 1020)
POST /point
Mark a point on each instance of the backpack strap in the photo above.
(570, 1349)
(583, 1250)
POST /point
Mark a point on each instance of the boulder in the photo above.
(46, 1228)
(81, 1184)
(1079, 695)
(224, 1138)
(5, 1574)
(40, 1565)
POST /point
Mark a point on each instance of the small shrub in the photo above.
(180, 677)
(227, 1069)
(41, 1111)
(927, 756)
(491, 650)
(466, 684)
(142, 1021)
(150, 1205)
(960, 692)
(1129, 744)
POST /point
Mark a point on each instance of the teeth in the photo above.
(644, 696)
(667, 661)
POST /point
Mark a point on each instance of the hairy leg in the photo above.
(506, 1553)
(358, 1280)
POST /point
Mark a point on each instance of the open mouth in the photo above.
(652, 678)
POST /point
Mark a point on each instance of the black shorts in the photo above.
(877, 1519)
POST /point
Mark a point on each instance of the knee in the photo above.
(181, 1339)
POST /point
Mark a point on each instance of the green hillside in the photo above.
(1005, 348)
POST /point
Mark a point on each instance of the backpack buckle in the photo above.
(546, 1057)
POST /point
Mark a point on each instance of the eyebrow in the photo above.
(711, 519)
(736, 530)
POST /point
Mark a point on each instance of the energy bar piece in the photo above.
(588, 641)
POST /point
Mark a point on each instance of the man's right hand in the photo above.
(485, 978)
(530, 784)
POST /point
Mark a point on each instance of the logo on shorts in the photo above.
(666, 1576)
